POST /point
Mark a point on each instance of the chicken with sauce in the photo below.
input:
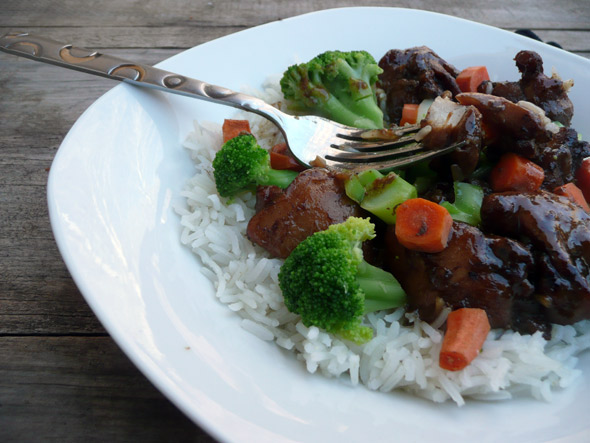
(312, 202)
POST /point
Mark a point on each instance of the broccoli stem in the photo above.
(467, 206)
(278, 177)
(382, 290)
(379, 194)
(335, 109)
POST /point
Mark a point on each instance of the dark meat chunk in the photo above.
(512, 121)
(559, 231)
(560, 156)
(555, 157)
(452, 123)
(508, 90)
(439, 191)
(475, 270)
(413, 75)
(314, 200)
(524, 132)
(579, 149)
(548, 93)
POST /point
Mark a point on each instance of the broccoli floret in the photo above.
(336, 85)
(241, 164)
(327, 281)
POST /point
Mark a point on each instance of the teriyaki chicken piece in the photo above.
(558, 232)
(313, 201)
(525, 130)
(413, 75)
(447, 123)
(475, 270)
(548, 93)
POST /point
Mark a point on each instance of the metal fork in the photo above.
(309, 138)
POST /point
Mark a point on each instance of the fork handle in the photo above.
(92, 62)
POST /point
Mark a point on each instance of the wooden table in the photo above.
(62, 378)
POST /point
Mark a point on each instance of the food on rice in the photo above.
(404, 353)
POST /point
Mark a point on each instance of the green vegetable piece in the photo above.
(385, 194)
(329, 284)
(421, 176)
(484, 167)
(241, 164)
(467, 205)
(356, 183)
(379, 194)
(336, 85)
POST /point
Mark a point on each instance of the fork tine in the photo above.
(381, 165)
(374, 156)
(374, 146)
(393, 133)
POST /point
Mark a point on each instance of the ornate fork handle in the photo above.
(92, 62)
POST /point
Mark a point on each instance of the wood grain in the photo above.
(72, 389)
(537, 14)
(62, 378)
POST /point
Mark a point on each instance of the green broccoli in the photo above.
(467, 205)
(327, 281)
(336, 85)
(379, 194)
(241, 164)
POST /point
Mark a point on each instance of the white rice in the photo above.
(398, 357)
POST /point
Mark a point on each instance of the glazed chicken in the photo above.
(315, 200)
(558, 232)
(474, 270)
(449, 122)
(548, 93)
(528, 133)
(412, 75)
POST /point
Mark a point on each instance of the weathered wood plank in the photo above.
(72, 389)
(566, 14)
(39, 104)
(183, 37)
(37, 294)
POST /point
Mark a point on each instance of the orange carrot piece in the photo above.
(233, 128)
(470, 78)
(409, 114)
(516, 173)
(467, 329)
(281, 158)
(422, 225)
(583, 178)
(574, 193)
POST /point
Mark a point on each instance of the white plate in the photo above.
(110, 193)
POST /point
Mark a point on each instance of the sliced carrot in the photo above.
(233, 128)
(409, 114)
(574, 193)
(516, 173)
(583, 178)
(422, 225)
(281, 158)
(470, 78)
(467, 329)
